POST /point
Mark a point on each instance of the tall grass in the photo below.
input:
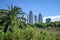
(28, 33)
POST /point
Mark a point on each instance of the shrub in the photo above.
(29, 33)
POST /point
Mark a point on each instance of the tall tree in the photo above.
(11, 15)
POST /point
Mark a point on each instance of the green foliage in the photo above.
(38, 25)
(49, 28)
(29, 33)
(44, 25)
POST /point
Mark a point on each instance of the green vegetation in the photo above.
(11, 28)
(51, 24)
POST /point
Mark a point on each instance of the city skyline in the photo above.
(33, 18)
(48, 8)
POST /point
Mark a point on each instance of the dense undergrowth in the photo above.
(28, 33)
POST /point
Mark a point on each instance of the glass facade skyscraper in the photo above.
(35, 19)
(40, 19)
(31, 17)
(48, 20)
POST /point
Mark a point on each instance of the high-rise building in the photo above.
(31, 17)
(48, 20)
(35, 19)
(40, 19)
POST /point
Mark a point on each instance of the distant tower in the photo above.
(35, 19)
(31, 17)
(40, 19)
(48, 20)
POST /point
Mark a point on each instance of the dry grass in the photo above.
(55, 30)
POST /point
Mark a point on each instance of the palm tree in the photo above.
(22, 20)
(2, 12)
(11, 15)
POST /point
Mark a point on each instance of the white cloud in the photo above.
(53, 18)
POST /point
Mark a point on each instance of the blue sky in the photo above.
(45, 7)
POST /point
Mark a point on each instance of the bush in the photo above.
(29, 33)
